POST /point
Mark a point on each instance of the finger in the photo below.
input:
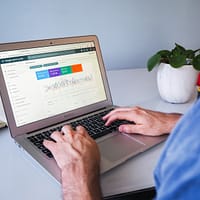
(121, 115)
(49, 144)
(68, 133)
(115, 111)
(57, 136)
(127, 128)
(83, 135)
(67, 129)
(82, 131)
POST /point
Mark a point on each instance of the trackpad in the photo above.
(118, 147)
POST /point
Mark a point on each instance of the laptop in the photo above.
(46, 84)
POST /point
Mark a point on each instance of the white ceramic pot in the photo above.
(176, 85)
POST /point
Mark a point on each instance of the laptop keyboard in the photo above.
(93, 124)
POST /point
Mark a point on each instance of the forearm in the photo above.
(80, 188)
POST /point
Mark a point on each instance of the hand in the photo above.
(78, 157)
(147, 122)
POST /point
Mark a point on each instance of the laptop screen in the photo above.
(42, 82)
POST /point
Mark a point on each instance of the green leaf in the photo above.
(177, 60)
(176, 52)
(153, 61)
(189, 53)
(179, 48)
(196, 62)
(164, 53)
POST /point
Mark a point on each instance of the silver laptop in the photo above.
(46, 84)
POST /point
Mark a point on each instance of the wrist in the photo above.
(172, 119)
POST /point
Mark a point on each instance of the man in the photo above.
(177, 175)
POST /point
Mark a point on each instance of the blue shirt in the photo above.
(177, 175)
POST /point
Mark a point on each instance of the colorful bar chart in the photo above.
(43, 74)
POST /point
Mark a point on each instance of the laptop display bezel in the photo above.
(16, 131)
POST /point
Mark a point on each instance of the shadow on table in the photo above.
(146, 194)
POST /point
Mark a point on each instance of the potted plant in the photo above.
(177, 72)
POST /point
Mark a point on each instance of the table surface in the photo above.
(23, 178)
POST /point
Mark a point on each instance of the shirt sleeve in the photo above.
(177, 175)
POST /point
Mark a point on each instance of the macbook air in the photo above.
(46, 84)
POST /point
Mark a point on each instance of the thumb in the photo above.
(130, 128)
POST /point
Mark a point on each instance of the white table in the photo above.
(23, 178)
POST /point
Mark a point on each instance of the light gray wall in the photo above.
(129, 30)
